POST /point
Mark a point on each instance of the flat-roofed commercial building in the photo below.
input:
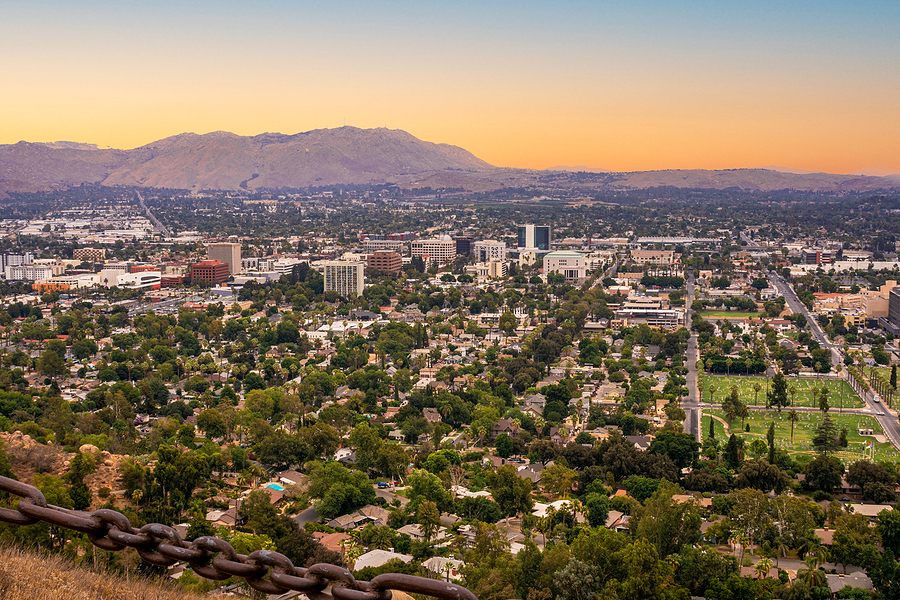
(649, 310)
(439, 250)
(384, 261)
(29, 272)
(210, 271)
(373, 245)
(347, 278)
(568, 263)
(653, 257)
(228, 253)
(486, 250)
(89, 254)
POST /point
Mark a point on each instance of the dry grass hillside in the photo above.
(25, 575)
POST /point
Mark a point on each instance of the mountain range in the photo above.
(347, 155)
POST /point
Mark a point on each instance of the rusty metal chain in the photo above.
(214, 558)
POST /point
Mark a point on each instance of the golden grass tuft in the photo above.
(28, 575)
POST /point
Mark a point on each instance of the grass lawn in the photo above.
(804, 429)
(837, 390)
(724, 314)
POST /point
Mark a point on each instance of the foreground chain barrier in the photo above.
(266, 571)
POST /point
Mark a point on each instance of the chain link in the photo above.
(214, 558)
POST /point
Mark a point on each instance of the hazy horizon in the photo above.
(648, 86)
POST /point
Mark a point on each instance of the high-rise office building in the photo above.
(534, 236)
(230, 254)
(464, 245)
(345, 277)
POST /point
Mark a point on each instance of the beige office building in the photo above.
(230, 254)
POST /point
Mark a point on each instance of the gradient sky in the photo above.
(624, 86)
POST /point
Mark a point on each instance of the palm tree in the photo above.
(712, 390)
(812, 575)
(763, 567)
(793, 392)
(731, 411)
(744, 412)
(756, 388)
(793, 417)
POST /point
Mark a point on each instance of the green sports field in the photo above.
(839, 391)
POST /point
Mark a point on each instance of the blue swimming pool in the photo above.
(275, 486)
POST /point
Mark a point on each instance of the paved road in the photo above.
(796, 306)
(888, 419)
(159, 226)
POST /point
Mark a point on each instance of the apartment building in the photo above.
(347, 278)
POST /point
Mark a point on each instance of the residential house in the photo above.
(443, 568)
(837, 582)
(502, 426)
(365, 515)
(376, 558)
(415, 531)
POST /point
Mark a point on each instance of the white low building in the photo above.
(569, 264)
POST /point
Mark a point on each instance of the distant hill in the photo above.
(754, 180)
(349, 155)
(223, 160)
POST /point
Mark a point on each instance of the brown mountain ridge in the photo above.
(226, 161)
(348, 155)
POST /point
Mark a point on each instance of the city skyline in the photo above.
(654, 85)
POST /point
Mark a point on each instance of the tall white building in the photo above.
(438, 250)
(229, 254)
(345, 277)
(534, 237)
(487, 250)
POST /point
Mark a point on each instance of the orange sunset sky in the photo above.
(612, 85)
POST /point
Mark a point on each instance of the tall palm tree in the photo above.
(793, 392)
(744, 412)
(756, 388)
(793, 417)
